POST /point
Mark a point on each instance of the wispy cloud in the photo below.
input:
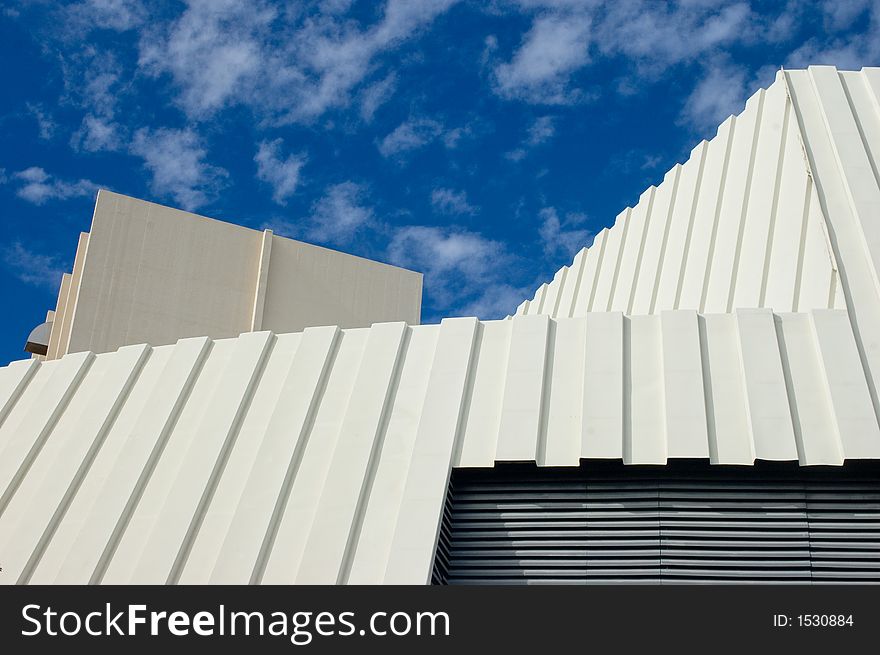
(32, 267)
(464, 271)
(176, 160)
(562, 236)
(409, 135)
(541, 131)
(46, 125)
(286, 67)
(38, 187)
(97, 134)
(281, 173)
(375, 95)
(722, 90)
(450, 201)
(340, 214)
(555, 47)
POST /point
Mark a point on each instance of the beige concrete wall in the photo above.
(155, 274)
(152, 274)
(310, 286)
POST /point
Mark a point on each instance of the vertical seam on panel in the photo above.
(596, 274)
(45, 433)
(83, 469)
(718, 204)
(305, 434)
(780, 163)
(635, 279)
(19, 390)
(559, 291)
(547, 373)
(220, 463)
(704, 147)
(708, 399)
(577, 285)
(744, 211)
(620, 249)
(627, 390)
(474, 362)
(140, 486)
(663, 243)
(789, 390)
(373, 459)
(861, 129)
(802, 248)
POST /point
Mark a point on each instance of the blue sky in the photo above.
(482, 143)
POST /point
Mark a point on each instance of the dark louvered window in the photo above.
(684, 523)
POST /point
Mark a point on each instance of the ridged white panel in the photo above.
(631, 257)
(615, 244)
(349, 480)
(701, 236)
(766, 390)
(846, 387)
(736, 225)
(733, 202)
(814, 428)
(678, 232)
(726, 402)
(87, 537)
(169, 513)
(483, 410)
(327, 453)
(857, 283)
(763, 199)
(684, 396)
(229, 539)
(592, 263)
(655, 243)
(644, 440)
(374, 543)
(415, 535)
(521, 421)
(603, 424)
(288, 533)
(31, 420)
(13, 379)
(551, 302)
(568, 296)
(32, 515)
(564, 394)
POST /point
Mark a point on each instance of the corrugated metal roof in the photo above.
(323, 456)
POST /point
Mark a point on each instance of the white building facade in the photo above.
(731, 317)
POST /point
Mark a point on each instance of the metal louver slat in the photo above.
(686, 523)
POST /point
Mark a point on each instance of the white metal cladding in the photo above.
(324, 456)
(745, 221)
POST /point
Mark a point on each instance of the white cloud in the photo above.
(46, 126)
(31, 267)
(449, 201)
(541, 131)
(286, 67)
(562, 235)
(555, 47)
(461, 267)
(375, 95)
(408, 136)
(281, 173)
(722, 90)
(118, 15)
(38, 187)
(176, 160)
(340, 214)
(97, 134)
